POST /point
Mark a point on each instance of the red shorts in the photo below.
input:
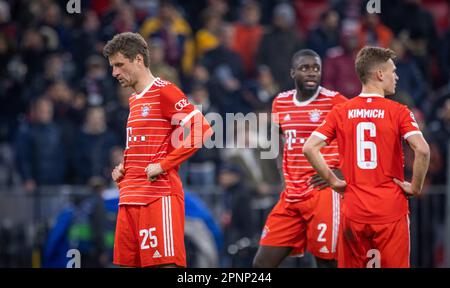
(311, 224)
(152, 234)
(374, 245)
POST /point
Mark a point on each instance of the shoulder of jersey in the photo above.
(328, 93)
(285, 94)
(395, 104)
(161, 83)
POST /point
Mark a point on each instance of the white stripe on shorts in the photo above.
(164, 225)
(336, 212)
(167, 227)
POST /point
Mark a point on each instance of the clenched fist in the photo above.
(118, 172)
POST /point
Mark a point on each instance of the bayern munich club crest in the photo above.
(314, 115)
(145, 110)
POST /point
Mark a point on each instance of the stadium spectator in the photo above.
(125, 21)
(420, 35)
(96, 84)
(445, 57)
(226, 71)
(32, 51)
(93, 146)
(279, 43)
(206, 38)
(247, 35)
(117, 114)
(326, 35)
(69, 105)
(40, 154)
(86, 33)
(440, 130)
(336, 73)
(236, 219)
(245, 151)
(202, 166)
(200, 74)
(372, 32)
(411, 86)
(158, 64)
(11, 75)
(260, 92)
(176, 34)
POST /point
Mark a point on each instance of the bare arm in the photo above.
(420, 167)
(311, 149)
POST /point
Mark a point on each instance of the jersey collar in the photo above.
(146, 89)
(304, 103)
(370, 95)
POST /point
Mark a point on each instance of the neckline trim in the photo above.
(370, 95)
(304, 103)
(146, 88)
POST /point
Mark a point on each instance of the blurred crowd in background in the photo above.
(63, 116)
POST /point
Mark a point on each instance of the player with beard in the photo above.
(307, 213)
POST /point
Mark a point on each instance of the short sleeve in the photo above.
(175, 106)
(327, 129)
(275, 115)
(408, 124)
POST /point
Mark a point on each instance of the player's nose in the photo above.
(115, 73)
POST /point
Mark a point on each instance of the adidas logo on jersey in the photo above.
(324, 249)
(287, 117)
(157, 254)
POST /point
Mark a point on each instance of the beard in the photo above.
(307, 92)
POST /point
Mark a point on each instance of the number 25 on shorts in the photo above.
(148, 239)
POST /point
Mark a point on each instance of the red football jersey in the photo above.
(297, 121)
(154, 114)
(369, 129)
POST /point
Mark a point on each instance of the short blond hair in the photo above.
(369, 57)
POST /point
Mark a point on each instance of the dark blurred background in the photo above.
(63, 116)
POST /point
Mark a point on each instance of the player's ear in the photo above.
(292, 73)
(139, 58)
(379, 74)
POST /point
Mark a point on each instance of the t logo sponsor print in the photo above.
(290, 138)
